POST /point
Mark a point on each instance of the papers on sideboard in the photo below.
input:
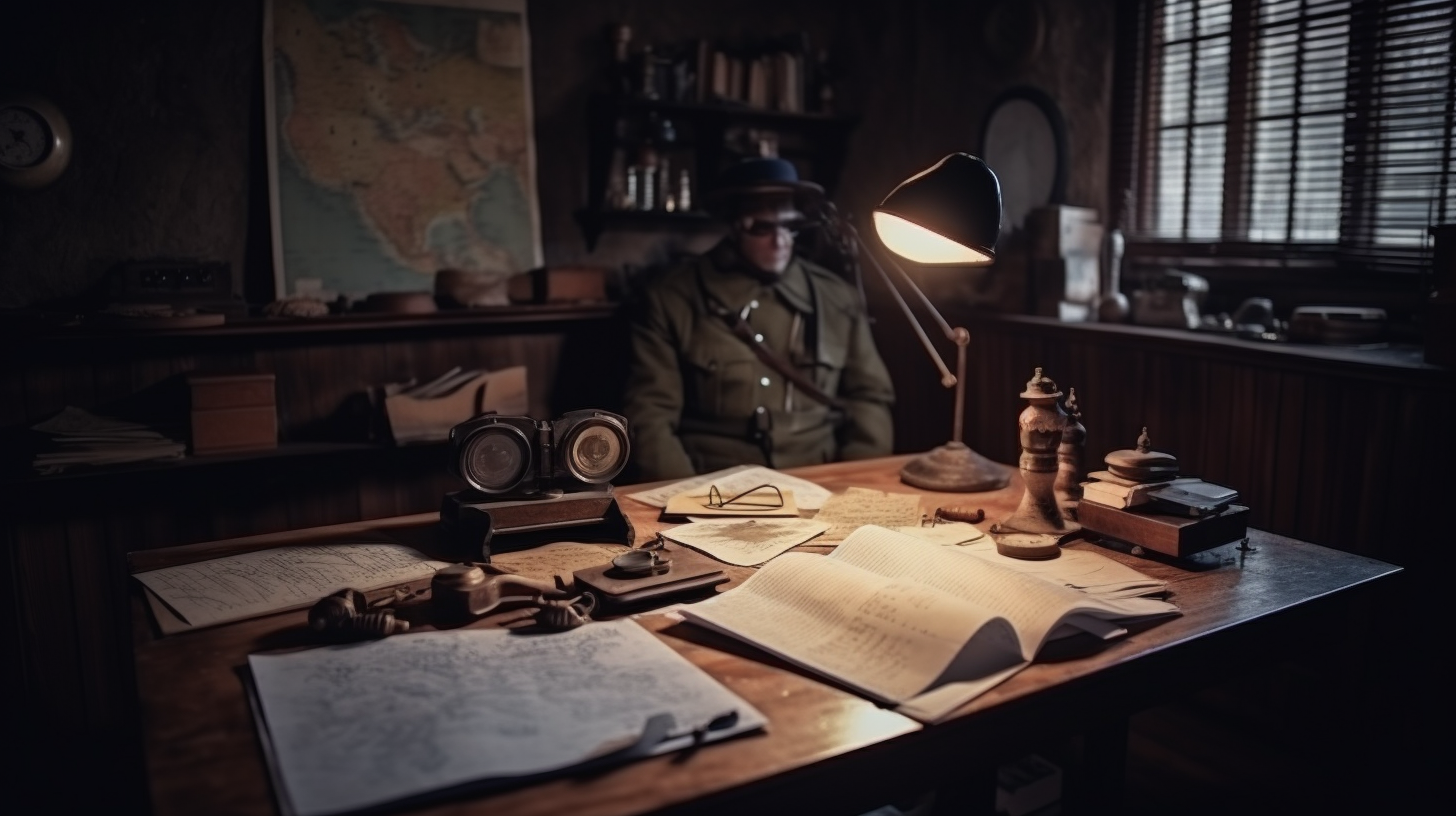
(352, 727)
(248, 585)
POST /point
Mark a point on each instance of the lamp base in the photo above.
(955, 468)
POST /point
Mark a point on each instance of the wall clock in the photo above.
(35, 142)
(1024, 141)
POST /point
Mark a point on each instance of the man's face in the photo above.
(766, 236)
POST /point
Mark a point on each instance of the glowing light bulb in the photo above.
(921, 245)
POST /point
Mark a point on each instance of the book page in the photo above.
(889, 639)
(267, 581)
(1033, 605)
(362, 725)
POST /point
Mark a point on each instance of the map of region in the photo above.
(403, 143)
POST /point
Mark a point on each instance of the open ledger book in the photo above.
(909, 623)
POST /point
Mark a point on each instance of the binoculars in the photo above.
(506, 456)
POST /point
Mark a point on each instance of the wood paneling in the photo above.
(1344, 453)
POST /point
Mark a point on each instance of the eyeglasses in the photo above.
(760, 228)
(764, 496)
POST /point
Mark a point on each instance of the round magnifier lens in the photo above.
(596, 451)
(495, 459)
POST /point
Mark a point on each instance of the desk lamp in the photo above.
(947, 215)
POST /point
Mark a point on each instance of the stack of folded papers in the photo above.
(78, 437)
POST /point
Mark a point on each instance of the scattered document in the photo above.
(1085, 570)
(808, 495)
(359, 726)
(547, 561)
(949, 533)
(858, 506)
(908, 623)
(746, 542)
(694, 505)
(236, 587)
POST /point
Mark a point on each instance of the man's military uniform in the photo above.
(698, 398)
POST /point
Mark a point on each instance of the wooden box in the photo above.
(562, 284)
(233, 412)
(1178, 536)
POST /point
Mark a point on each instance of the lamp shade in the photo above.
(947, 214)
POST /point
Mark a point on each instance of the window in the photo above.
(1307, 133)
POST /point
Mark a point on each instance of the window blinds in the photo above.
(1281, 129)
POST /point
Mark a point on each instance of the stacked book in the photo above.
(1142, 499)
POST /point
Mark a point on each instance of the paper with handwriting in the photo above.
(857, 506)
(957, 533)
(557, 558)
(363, 725)
(236, 587)
(746, 542)
(808, 495)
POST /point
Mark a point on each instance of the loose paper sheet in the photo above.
(1089, 571)
(261, 583)
(735, 480)
(365, 724)
(763, 504)
(949, 533)
(561, 557)
(746, 542)
(858, 506)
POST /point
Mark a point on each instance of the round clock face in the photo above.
(35, 142)
(25, 139)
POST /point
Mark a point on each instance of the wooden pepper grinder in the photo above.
(1068, 486)
(1037, 527)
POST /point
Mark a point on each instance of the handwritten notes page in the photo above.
(845, 512)
(557, 558)
(746, 542)
(956, 533)
(729, 481)
(261, 583)
(357, 726)
(902, 620)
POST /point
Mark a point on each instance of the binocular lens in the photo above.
(496, 458)
(595, 452)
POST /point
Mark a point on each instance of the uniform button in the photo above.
(758, 338)
(763, 381)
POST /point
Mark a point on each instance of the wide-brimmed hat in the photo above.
(762, 176)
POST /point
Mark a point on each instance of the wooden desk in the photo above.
(825, 748)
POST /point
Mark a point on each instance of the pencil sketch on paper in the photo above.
(356, 726)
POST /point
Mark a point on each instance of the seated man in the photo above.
(749, 354)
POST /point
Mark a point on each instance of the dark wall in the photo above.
(165, 98)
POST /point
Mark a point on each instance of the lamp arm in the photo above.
(959, 336)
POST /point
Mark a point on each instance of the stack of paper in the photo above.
(78, 437)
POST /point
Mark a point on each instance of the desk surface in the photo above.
(203, 754)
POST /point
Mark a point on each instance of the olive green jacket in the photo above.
(695, 390)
